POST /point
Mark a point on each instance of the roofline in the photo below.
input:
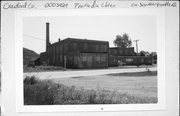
(119, 48)
(89, 40)
(82, 40)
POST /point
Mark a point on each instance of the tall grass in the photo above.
(45, 92)
(41, 68)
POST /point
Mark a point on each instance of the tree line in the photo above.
(124, 41)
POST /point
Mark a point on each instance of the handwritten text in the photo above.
(19, 5)
(154, 4)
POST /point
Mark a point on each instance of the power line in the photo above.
(33, 37)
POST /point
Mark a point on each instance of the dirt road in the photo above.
(77, 73)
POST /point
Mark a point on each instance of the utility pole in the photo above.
(136, 45)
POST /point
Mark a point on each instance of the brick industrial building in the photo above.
(85, 54)
(75, 53)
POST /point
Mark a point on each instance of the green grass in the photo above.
(46, 92)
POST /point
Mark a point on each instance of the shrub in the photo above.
(45, 92)
(38, 92)
(30, 80)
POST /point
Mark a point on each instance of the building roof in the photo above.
(33, 59)
(84, 40)
(80, 40)
(121, 48)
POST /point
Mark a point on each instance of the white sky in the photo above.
(142, 27)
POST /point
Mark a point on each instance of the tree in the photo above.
(122, 41)
(153, 55)
(144, 53)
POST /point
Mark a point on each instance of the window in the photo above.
(105, 48)
(97, 49)
(74, 46)
(84, 46)
(65, 47)
(126, 52)
(120, 52)
(98, 58)
(89, 58)
(115, 52)
(57, 49)
(83, 58)
(142, 60)
(103, 58)
(61, 58)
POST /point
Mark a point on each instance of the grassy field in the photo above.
(142, 84)
(103, 89)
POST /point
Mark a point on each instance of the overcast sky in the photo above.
(141, 27)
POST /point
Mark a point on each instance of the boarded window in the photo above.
(98, 58)
(89, 58)
(97, 48)
(60, 49)
(115, 52)
(120, 52)
(90, 47)
(142, 60)
(101, 48)
(83, 58)
(126, 52)
(65, 47)
(53, 58)
(103, 58)
(61, 58)
(74, 46)
(53, 49)
(85, 46)
(105, 48)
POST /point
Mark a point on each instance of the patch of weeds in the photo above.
(45, 92)
(42, 68)
(30, 80)
(37, 92)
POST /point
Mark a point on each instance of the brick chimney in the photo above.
(47, 37)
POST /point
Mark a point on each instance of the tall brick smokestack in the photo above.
(47, 37)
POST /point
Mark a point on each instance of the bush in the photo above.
(45, 92)
(30, 80)
(37, 92)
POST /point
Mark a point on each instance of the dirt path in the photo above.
(77, 73)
